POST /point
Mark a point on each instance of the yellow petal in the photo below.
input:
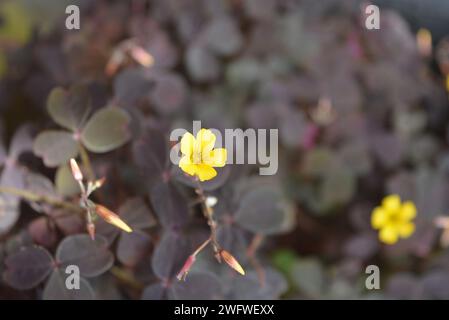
(405, 230)
(205, 172)
(378, 218)
(206, 140)
(216, 158)
(187, 143)
(187, 166)
(219, 155)
(408, 211)
(388, 234)
(391, 203)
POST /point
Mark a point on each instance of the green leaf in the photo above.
(65, 184)
(16, 26)
(317, 162)
(284, 260)
(106, 130)
(69, 109)
(338, 188)
(55, 147)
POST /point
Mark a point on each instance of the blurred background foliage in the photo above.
(360, 114)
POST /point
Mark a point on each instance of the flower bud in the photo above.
(232, 262)
(112, 218)
(76, 172)
(142, 56)
(424, 42)
(91, 230)
(186, 268)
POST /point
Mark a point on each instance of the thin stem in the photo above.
(31, 196)
(251, 254)
(208, 214)
(202, 246)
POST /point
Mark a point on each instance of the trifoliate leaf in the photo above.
(55, 147)
(106, 130)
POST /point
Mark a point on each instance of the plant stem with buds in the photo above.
(35, 197)
(208, 214)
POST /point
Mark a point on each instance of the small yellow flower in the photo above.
(393, 219)
(199, 156)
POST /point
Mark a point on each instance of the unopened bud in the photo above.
(91, 230)
(99, 183)
(232, 262)
(424, 42)
(76, 172)
(112, 218)
(114, 62)
(442, 222)
(142, 56)
(186, 268)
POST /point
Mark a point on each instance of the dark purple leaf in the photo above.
(132, 247)
(28, 267)
(56, 288)
(43, 233)
(404, 286)
(137, 214)
(197, 286)
(91, 256)
(202, 66)
(436, 285)
(169, 204)
(169, 94)
(263, 210)
(68, 222)
(249, 286)
(223, 36)
(154, 292)
(362, 246)
(169, 255)
(130, 86)
(150, 154)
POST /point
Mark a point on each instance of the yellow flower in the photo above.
(199, 156)
(393, 219)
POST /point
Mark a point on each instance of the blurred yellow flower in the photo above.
(199, 156)
(393, 219)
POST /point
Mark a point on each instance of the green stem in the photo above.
(31, 196)
(126, 277)
(86, 162)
